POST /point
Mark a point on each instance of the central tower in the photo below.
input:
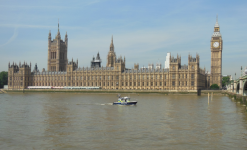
(57, 52)
(216, 56)
(111, 57)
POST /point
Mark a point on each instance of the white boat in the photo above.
(124, 101)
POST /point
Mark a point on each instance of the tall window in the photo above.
(173, 76)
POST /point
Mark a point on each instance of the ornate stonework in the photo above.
(216, 56)
(177, 77)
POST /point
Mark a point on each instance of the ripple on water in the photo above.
(88, 121)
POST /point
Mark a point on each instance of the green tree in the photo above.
(3, 78)
(225, 80)
(214, 87)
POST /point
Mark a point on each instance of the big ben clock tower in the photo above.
(216, 56)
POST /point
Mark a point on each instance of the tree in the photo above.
(214, 87)
(225, 80)
(3, 78)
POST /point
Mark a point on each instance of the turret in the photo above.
(58, 32)
(66, 38)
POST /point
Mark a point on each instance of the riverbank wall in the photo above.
(238, 98)
(165, 92)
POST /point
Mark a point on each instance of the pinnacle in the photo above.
(216, 24)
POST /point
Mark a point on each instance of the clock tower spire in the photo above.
(216, 56)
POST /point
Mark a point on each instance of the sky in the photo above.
(143, 31)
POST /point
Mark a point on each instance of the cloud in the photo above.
(12, 38)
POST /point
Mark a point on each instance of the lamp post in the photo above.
(241, 71)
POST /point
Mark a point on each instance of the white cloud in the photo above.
(12, 38)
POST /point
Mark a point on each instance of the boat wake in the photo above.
(104, 104)
(95, 104)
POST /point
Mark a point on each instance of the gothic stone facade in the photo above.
(57, 53)
(114, 76)
(179, 77)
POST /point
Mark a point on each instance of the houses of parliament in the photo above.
(61, 72)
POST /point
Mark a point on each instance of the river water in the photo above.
(90, 121)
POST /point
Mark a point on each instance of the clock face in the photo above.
(216, 44)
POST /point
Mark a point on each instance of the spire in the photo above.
(112, 46)
(216, 24)
(66, 37)
(58, 32)
(216, 29)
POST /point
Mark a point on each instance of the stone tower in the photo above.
(216, 56)
(111, 57)
(57, 52)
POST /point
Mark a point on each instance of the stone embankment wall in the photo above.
(238, 98)
(166, 92)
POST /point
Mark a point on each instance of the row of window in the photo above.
(104, 84)
(96, 77)
(182, 76)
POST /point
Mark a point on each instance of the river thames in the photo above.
(90, 121)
